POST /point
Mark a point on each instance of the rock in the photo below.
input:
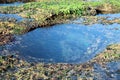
(105, 8)
(91, 11)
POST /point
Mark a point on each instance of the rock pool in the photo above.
(69, 42)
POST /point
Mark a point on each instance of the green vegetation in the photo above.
(52, 6)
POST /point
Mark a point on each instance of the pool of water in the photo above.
(71, 43)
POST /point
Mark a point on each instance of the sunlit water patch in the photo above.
(71, 43)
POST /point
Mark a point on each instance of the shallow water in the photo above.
(12, 4)
(6, 17)
(110, 72)
(110, 16)
(71, 43)
(13, 18)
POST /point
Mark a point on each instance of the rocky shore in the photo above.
(13, 67)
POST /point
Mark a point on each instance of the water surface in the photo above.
(12, 4)
(69, 42)
(7, 17)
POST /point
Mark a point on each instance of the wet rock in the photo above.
(91, 11)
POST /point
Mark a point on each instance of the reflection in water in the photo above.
(67, 42)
